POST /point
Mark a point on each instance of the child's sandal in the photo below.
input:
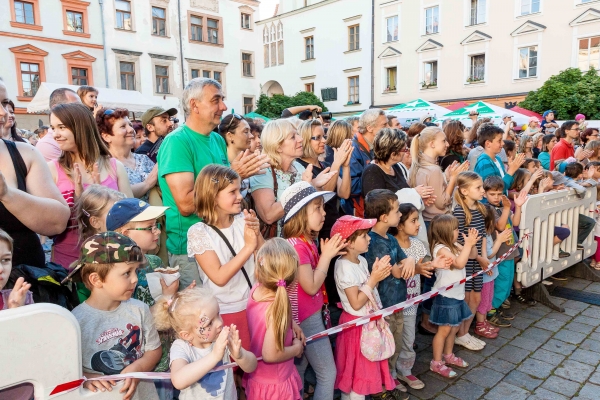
(482, 330)
(451, 359)
(440, 368)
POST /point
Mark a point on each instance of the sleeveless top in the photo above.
(27, 248)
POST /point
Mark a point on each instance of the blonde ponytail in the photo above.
(418, 144)
(180, 312)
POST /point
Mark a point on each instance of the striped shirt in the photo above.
(477, 222)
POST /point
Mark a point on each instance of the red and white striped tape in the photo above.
(69, 386)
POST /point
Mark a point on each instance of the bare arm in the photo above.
(344, 183)
(267, 207)
(184, 374)
(123, 180)
(270, 352)
(222, 274)
(181, 185)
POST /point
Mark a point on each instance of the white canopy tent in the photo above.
(485, 110)
(111, 98)
(408, 113)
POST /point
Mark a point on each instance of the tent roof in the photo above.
(457, 105)
(256, 115)
(527, 112)
(486, 110)
(111, 98)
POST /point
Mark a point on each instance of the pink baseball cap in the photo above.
(349, 224)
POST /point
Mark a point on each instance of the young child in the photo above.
(356, 375)
(303, 219)
(383, 205)
(116, 330)
(531, 165)
(449, 309)
(203, 343)
(470, 214)
(493, 242)
(270, 322)
(19, 295)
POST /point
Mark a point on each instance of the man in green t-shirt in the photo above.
(180, 159)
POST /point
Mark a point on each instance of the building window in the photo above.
(24, 13)
(217, 76)
(266, 59)
(477, 68)
(213, 31)
(391, 78)
(392, 28)
(195, 73)
(74, 21)
(248, 105)
(430, 71)
(309, 47)
(245, 21)
(206, 74)
(353, 37)
(528, 62)
(30, 76)
(79, 76)
(530, 6)
(477, 12)
(432, 18)
(159, 22)
(247, 64)
(123, 10)
(162, 79)
(353, 90)
(273, 45)
(589, 53)
(309, 87)
(280, 52)
(127, 70)
(196, 28)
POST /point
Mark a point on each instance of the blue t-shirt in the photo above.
(391, 290)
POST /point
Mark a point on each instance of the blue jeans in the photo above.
(318, 353)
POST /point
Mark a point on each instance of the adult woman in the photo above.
(510, 148)
(256, 131)
(454, 131)
(9, 128)
(588, 135)
(548, 143)
(537, 144)
(533, 127)
(238, 137)
(118, 134)
(471, 139)
(283, 145)
(526, 146)
(415, 129)
(594, 146)
(85, 159)
(337, 133)
(30, 203)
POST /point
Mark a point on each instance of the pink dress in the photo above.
(66, 245)
(278, 381)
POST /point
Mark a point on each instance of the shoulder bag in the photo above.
(232, 252)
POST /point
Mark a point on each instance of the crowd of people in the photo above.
(225, 239)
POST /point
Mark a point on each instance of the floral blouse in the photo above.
(143, 166)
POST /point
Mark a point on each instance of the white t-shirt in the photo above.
(413, 285)
(232, 297)
(348, 274)
(216, 385)
(444, 277)
(500, 169)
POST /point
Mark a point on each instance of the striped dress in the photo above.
(477, 222)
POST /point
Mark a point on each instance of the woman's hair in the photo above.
(180, 313)
(455, 134)
(509, 145)
(105, 121)
(305, 130)
(520, 178)
(546, 141)
(273, 135)
(415, 129)
(137, 126)
(406, 209)
(593, 145)
(352, 119)
(586, 133)
(83, 90)
(212, 179)
(536, 138)
(91, 203)
(418, 144)
(490, 219)
(90, 146)
(441, 231)
(14, 133)
(387, 142)
(529, 161)
(5, 238)
(298, 225)
(339, 131)
(276, 268)
(523, 142)
(254, 127)
(227, 125)
(475, 129)
(464, 181)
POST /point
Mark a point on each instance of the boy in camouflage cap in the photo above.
(117, 332)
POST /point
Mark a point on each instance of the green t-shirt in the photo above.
(185, 150)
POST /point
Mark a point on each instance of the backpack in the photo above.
(45, 284)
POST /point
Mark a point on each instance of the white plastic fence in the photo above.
(541, 213)
(41, 344)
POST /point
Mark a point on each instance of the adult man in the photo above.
(182, 156)
(47, 145)
(42, 131)
(506, 118)
(564, 148)
(157, 124)
(371, 122)
(393, 122)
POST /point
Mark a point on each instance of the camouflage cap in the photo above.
(106, 248)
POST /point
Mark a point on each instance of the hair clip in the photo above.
(281, 282)
(87, 214)
(214, 180)
(172, 304)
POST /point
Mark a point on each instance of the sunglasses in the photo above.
(236, 116)
(108, 112)
(318, 138)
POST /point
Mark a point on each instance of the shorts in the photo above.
(561, 233)
(475, 284)
(449, 311)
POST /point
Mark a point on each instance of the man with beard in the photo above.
(157, 124)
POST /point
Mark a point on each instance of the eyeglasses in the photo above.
(236, 116)
(153, 228)
(318, 138)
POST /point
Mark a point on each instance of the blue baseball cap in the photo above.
(131, 210)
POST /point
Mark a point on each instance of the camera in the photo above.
(327, 115)
(175, 120)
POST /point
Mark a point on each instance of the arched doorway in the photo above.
(272, 87)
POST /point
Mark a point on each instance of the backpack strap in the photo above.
(218, 231)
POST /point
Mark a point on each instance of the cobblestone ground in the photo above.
(544, 355)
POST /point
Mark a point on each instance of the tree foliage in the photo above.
(272, 107)
(568, 93)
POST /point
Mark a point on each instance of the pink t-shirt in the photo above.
(304, 305)
(49, 147)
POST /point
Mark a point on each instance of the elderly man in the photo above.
(182, 156)
(371, 122)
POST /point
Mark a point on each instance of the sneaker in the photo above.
(506, 315)
(393, 394)
(399, 386)
(467, 343)
(451, 359)
(498, 321)
(412, 381)
(580, 246)
(439, 367)
(527, 300)
(563, 254)
(547, 283)
(558, 278)
(505, 304)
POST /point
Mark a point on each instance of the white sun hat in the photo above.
(299, 195)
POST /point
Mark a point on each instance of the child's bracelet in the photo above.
(317, 269)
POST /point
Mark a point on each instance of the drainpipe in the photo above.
(104, 41)
(372, 53)
(180, 44)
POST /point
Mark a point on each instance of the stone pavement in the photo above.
(545, 355)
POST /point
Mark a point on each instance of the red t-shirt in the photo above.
(303, 304)
(561, 151)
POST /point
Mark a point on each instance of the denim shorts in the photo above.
(449, 311)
